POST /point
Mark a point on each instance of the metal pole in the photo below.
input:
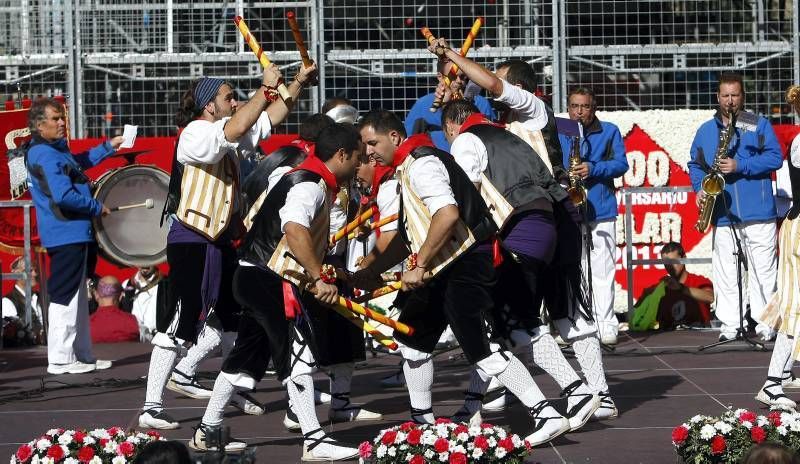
(796, 44)
(319, 47)
(240, 12)
(81, 115)
(170, 26)
(26, 247)
(24, 21)
(72, 85)
(526, 21)
(626, 195)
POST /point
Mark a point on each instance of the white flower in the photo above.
(100, 433)
(492, 442)
(392, 451)
(517, 441)
(403, 447)
(381, 451)
(696, 419)
(111, 447)
(794, 426)
(43, 444)
(707, 432)
(36, 460)
(46, 460)
(444, 456)
(477, 453)
(474, 431)
(762, 421)
(463, 436)
(428, 438)
(429, 453)
(118, 460)
(747, 424)
(723, 427)
(781, 430)
(133, 439)
(500, 452)
(71, 461)
(88, 440)
(52, 432)
(96, 460)
(501, 434)
(65, 439)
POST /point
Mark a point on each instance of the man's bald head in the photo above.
(108, 291)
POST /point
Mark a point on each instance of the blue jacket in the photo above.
(61, 191)
(420, 119)
(748, 191)
(603, 149)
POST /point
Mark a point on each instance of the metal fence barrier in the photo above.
(27, 273)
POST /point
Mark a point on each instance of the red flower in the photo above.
(458, 458)
(406, 426)
(486, 425)
(154, 434)
(481, 442)
(679, 434)
(443, 420)
(365, 450)
(528, 446)
(113, 431)
(775, 418)
(24, 453)
(79, 436)
(103, 442)
(747, 416)
(388, 437)
(126, 448)
(718, 445)
(417, 459)
(441, 445)
(55, 452)
(460, 429)
(85, 454)
(414, 437)
(507, 444)
(758, 434)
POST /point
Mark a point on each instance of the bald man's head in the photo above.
(108, 291)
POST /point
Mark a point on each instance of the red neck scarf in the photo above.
(476, 119)
(315, 165)
(408, 145)
(304, 145)
(381, 175)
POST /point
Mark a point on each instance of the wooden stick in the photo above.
(298, 38)
(453, 71)
(359, 309)
(341, 233)
(430, 38)
(259, 52)
(392, 287)
(375, 225)
(366, 327)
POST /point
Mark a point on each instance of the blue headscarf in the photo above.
(205, 91)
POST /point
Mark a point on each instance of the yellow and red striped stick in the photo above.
(344, 231)
(377, 317)
(392, 287)
(366, 327)
(426, 32)
(451, 73)
(298, 38)
(375, 225)
(259, 52)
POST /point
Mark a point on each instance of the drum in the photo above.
(133, 236)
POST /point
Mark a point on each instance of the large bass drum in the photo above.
(132, 237)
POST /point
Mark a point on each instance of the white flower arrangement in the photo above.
(99, 446)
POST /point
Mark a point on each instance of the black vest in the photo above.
(515, 170)
(263, 237)
(472, 208)
(174, 189)
(17, 298)
(550, 136)
(258, 180)
(794, 177)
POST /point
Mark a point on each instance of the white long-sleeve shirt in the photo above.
(431, 183)
(527, 108)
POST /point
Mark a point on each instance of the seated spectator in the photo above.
(680, 298)
(15, 331)
(770, 453)
(109, 324)
(163, 452)
(142, 290)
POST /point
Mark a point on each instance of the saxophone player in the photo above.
(603, 159)
(746, 203)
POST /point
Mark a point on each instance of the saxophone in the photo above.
(714, 183)
(576, 190)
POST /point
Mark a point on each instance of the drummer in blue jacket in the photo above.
(602, 160)
(64, 210)
(746, 204)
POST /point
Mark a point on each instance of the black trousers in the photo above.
(66, 270)
(518, 294)
(461, 296)
(187, 264)
(563, 280)
(265, 332)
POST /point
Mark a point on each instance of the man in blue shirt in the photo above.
(421, 119)
(602, 160)
(64, 211)
(747, 204)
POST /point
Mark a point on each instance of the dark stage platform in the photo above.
(658, 381)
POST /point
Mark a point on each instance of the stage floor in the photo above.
(657, 379)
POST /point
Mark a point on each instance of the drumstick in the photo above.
(149, 203)
(366, 327)
(391, 288)
(298, 38)
(354, 307)
(446, 78)
(375, 225)
(473, 32)
(259, 52)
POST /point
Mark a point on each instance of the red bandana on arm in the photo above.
(475, 119)
(317, 166)
(408, 145)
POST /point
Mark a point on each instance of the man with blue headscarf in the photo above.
(203, 202)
